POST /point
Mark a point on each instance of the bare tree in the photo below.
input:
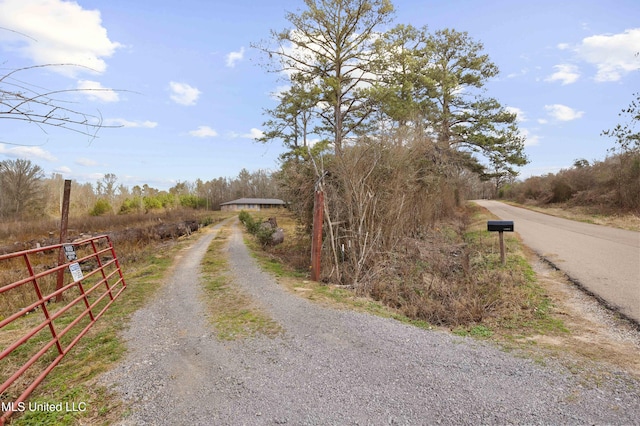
(23, 101)
(20, 188)
(626, 135)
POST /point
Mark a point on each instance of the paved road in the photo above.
(604, 260)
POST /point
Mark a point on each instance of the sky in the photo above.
(188, 91)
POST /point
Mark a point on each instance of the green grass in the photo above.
(479, 331)
(231, 312)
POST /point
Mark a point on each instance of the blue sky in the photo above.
(189, 90)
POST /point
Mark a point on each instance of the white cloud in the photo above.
(563, 112)
(26, 152)
(86, 162)
(520, 116)
(234, 57)
(63, 170)
(565, 73)
(523, 71)
(563, 46)
(614, 55)
(183, 93)
(253, 134)
(279, 91)
(95, 176)
(131, 124)
(203, 132)
(56, 32)
(529, 138)
(543, 120)
(94, 91)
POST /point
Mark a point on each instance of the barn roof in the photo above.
(271, 201)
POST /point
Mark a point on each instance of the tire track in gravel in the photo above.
(336, 367)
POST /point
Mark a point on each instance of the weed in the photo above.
(232, 313)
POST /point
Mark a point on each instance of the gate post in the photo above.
(64, 224)
(316, 238)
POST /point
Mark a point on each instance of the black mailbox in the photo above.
(500, 226)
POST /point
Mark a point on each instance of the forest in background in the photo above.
(26, 194)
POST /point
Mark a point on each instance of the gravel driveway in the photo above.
(334, 367)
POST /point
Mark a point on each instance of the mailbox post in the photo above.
(500, 226)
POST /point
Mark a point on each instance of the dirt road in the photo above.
(604, 260)
(336, 367)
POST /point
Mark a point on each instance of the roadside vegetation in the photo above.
(433, 289)
(601, 190)
(607, 188)
(629, 220)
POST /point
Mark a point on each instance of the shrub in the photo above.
(206, 221)
(611, 185)
(151, 203)
(562, 191)
(101, 207)
(131, 205)
(263, 234)
(256, 228)
(247, 220)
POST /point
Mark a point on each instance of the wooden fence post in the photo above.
(64, 224)
(316, 238)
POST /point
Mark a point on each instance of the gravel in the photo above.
(336, 367)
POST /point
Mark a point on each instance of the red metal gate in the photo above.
(56, 303)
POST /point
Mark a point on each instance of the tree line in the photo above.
(26, 193)
(605, 186)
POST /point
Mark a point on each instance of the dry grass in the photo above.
(597, 337)
(453, 277)
(629, 221)
(289, 264)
